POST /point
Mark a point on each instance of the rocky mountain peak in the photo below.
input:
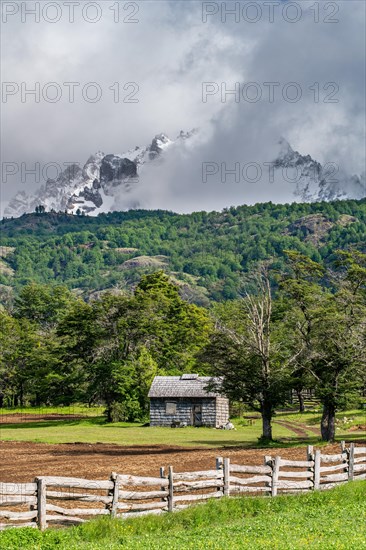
(108, 179)
(285, 149)
(158, 144)
(92, 188)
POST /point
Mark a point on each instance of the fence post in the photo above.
(310, 452)
(162, 488)
(275, 474)
(226, 477)
(310, 456)
(41, 503)
(317, 460)
(115, 494)
(343, 446)
(351, 461)
(171, 490)
(219, 463)
(267, 461)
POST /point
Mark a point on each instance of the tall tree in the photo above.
(245, 352)
(42, 304)
(123, 341)
(326, 324)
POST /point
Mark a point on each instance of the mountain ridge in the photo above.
(207, 253)
(106, 181)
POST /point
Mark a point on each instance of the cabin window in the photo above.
(170, 407)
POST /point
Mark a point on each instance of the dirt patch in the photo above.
(295, 429)
(22, 461)
(298, 429)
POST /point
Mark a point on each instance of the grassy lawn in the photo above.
(333, 519)
(94, 429)
(71, 409)
(346, 419)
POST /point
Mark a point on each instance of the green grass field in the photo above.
(71, 409)
(93, 429)
(333, 519)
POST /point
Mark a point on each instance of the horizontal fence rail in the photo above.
(53, 500)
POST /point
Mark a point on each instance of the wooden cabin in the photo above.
(185, 400)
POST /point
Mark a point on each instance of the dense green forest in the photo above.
(206, 253)
(57, 348)
(271, 298)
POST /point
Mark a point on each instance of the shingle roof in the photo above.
(182, 386)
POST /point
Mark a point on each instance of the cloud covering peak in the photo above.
(244, 79)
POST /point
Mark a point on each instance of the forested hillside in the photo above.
(301, 270)
(207, 252)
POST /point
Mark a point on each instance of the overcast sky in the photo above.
(171, 49)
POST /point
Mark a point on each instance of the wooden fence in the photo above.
(66, 500)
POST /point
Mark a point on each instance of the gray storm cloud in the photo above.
(169, 54)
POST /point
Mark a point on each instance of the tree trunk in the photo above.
(109, 412)
(266, 422)
(21, 395)
(301, 401)
(327, 424)
(267, 428)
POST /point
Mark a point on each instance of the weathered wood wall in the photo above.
(222, 411)
(215, 411)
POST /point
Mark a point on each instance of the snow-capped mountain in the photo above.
(106, 179)
(314, 182)
(93, 188)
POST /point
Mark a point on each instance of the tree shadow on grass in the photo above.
(95, 421)
(282, 442)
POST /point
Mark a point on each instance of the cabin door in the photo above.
(197, 415)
